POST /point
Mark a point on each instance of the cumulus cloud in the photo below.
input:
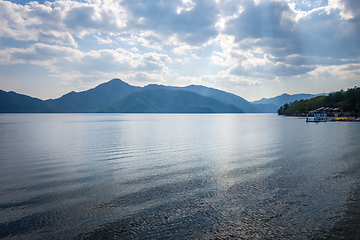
(301, 60)
(222, 80)
(104, 41)
(194, 24)
(186, 80)
(59, 59)
(227, 80)
(270, 70)
(59, 21)
(350, 9)
(39, 54)
(262, 20)
(145, 77)
(183, 49)
(149, 23)
(268, 39)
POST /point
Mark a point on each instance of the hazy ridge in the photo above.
(119, 96)
(169, 101)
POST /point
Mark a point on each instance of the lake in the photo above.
(178, 176)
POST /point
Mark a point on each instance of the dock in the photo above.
(318, 117)
(324, 118)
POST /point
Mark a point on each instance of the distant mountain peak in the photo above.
(70, 93)
(201, 86)
(112, 81)
(115, 80)
(280, 100)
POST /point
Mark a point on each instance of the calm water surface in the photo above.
(164, 176)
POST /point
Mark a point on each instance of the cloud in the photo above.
(350, 9)
(194, 24)
(183, 49)
(152, 24)
(326, 35)
(104, 41)
(187, 80)
(108, 60)
(145, 77)
(341, 72)
(59, 21)
(271, 39)
(32, 22)
(84, 18)
(267, 19)
(270, 70)
(134, 49)
(222, 80)
(228, 81)
(39, 54)
(58, 59)
(278, 28)
(150, 39)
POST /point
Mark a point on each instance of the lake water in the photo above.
(178, 176)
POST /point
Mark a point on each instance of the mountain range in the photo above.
(280, 100)
(117, 96)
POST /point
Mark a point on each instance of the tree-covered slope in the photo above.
(348, 101)
(223, 96)
(11, 102)
(266, 107)
(169, 101)
(284, 98)
(219, 95)
(93, 99)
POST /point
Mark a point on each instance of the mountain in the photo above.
(266, 107)
(107, 97)
(162, 100)
(11, 102)
(280, 100)
(223, 96)
(219, 95)
(93, 99)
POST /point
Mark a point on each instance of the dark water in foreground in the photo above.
(118, 176)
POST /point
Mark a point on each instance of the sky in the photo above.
(252, 48)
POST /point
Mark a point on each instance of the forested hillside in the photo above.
(348, 101)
